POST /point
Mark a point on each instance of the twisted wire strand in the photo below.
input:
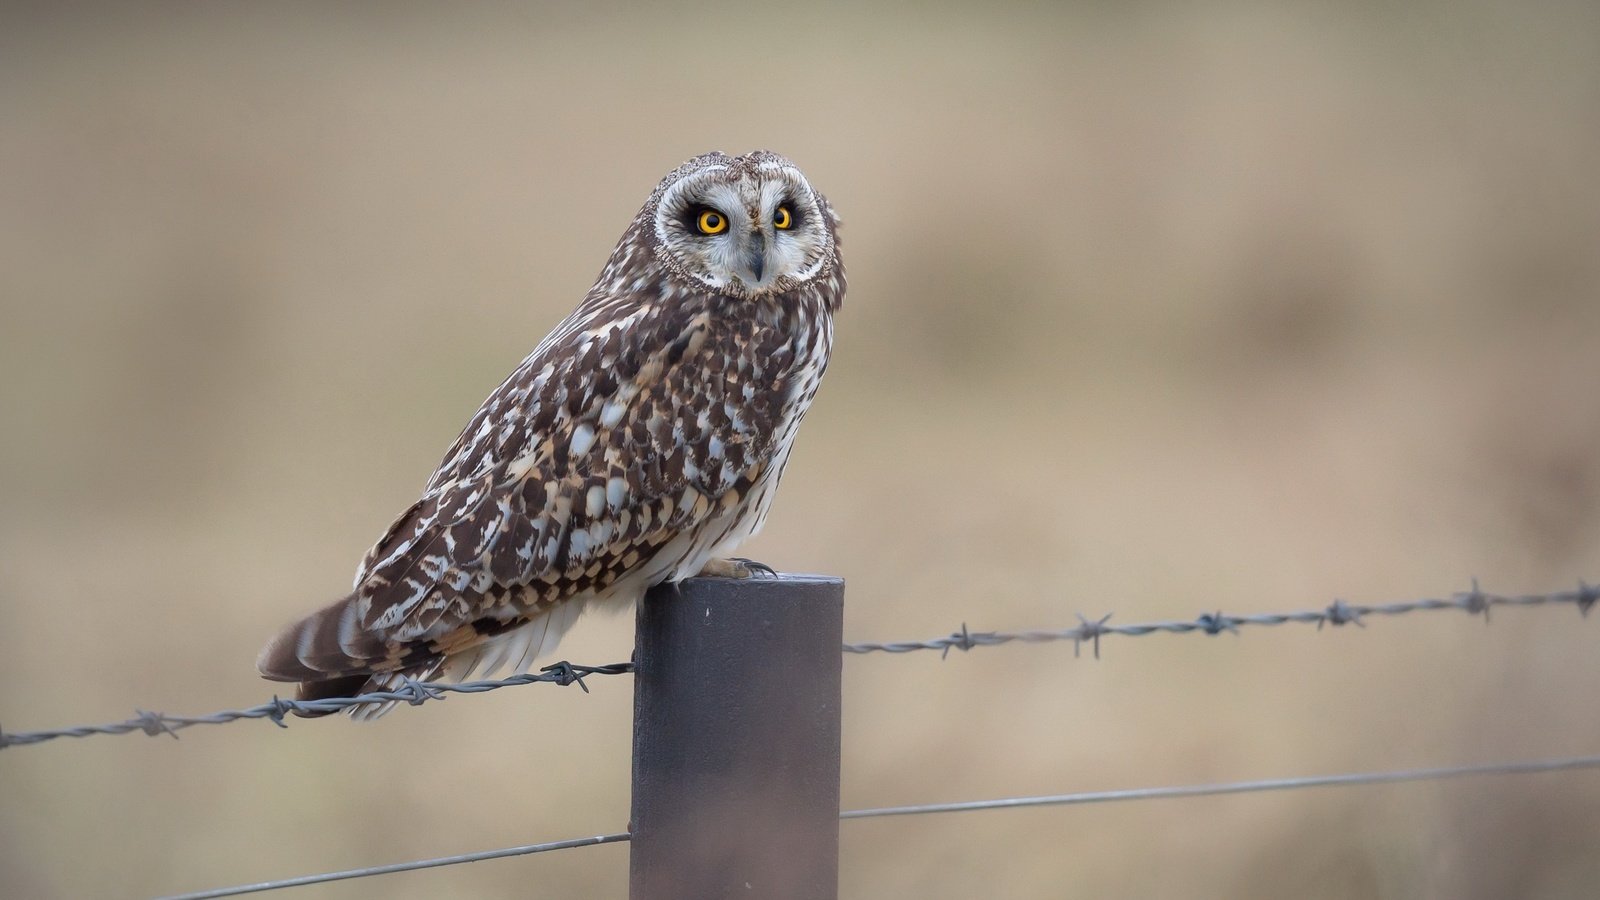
(410, 691)
(1352, 779)
(1339, 612)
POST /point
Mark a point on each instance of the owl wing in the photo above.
(625, 428)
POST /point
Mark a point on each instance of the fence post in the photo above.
(736, 740)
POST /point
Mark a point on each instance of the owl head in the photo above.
(744, 226)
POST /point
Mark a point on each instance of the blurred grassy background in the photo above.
(1155, 309)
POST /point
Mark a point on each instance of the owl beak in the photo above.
(755, 256)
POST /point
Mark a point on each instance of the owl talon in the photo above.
(754, 569)
(736, 567)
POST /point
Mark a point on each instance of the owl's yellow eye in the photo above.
(711, 222)
(781, 219)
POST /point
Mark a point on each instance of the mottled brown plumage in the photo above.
(643, 437)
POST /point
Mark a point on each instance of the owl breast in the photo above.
(759, 368)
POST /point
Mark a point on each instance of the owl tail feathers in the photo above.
(327, 644)
(347, 686)
(332, 656)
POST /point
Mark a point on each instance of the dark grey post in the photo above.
(736, 740)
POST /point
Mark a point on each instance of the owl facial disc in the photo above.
(744, 226)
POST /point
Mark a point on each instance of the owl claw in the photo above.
(754, 569)
(736, 567)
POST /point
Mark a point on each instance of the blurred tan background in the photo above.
(1153, 311)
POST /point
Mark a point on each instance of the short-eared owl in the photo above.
(640, 442)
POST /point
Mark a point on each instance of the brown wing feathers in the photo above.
(486, 546)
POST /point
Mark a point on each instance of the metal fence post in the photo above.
(736, 740)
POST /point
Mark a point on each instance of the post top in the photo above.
(786, 587)
(779, 578)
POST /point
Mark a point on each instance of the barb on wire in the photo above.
(1153, 793)
(411, 691)
(1339, 612)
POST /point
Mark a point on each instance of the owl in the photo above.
(640, 442)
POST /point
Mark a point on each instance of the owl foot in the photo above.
(736, 567)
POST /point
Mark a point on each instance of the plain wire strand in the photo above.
(1154, 793)
(1088, 631)
(1236, 787)
(324, 878)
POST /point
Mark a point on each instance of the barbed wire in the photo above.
(410, 691)
(1339, 612)
(1353, 779)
